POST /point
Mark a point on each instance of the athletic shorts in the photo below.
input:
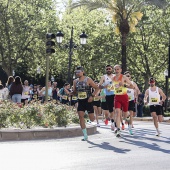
(84, 105)
(97, 103)
(122, 102)
(104, 106)
(156, 108)
(131, 105)
(110, 102)
(73, 102)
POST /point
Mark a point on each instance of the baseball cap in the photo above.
(152, 80)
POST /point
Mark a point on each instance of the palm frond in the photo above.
(91, 4)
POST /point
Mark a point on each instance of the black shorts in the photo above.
(131, 105)
(104, 106)
(156, 108)
(110, 102)
(73, 102)
(84, 105)
(97, 103)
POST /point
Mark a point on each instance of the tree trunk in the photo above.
(123, 42)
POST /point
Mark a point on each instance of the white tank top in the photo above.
(131, 93)
(154, 97)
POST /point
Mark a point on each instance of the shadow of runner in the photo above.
(142, 144)
(107, 146)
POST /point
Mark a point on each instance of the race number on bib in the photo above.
(74, 98)
(82, 95)
(34, 96)
(96, 99)
(154, 100)
(64, 97)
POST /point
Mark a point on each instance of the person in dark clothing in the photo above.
(140, 105)
(16, 90)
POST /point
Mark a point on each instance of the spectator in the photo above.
(140, 105)
(16, 90)
(25, 92)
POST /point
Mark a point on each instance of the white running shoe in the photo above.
(98, 125)
(118, 135)
(157, 134)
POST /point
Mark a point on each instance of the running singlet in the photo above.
(131, 93)
(154, 97)
(110, 89)
(83, 90)
(119, 90)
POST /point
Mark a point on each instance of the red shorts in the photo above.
(121, 102)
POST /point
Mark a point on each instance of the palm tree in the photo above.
(125, 14)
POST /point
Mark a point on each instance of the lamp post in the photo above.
(166, 88)
(71, 45)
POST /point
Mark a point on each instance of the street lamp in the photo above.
(166, 88)
(71, 45)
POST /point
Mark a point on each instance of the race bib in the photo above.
(26, 93)
(154, 100)
(82, 95)
(96, 99)
(64, 97)
(74, 98)
(118, 91)
(34, 96)
(110, 87)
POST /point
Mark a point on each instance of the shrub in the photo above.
(36, 114)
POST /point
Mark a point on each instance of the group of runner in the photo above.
(118, 94)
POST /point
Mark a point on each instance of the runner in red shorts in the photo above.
(121, 101)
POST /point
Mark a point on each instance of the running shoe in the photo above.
(118, 134)
(106, 122)
(123, 127)
(112, 126)
(157, 134)
(98, 125)
(130, 131)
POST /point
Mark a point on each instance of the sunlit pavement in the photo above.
(103, 151)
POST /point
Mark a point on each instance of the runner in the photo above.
(106, 83)
(97, 104)
(82, 85)
(132, 95)
(154, 93)
(121, 83)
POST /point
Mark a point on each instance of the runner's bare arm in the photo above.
(146, 96)
(128, 83)
(162, 94)
(92, 84)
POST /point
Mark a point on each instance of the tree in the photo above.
(125, 13)
(23, 26)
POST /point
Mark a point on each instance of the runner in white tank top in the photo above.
(155, 103)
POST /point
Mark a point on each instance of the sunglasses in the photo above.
(108, 69)
(127, 75)
(78, 71)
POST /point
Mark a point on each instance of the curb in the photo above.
(34, 134)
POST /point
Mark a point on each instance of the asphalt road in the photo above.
(103, 151)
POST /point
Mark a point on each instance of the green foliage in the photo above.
(35, 114)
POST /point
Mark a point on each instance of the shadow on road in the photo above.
(107, 146)
(139, 139)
